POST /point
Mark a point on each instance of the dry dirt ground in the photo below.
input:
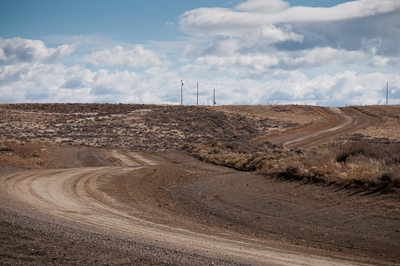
(171, 189)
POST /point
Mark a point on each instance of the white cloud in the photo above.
(253, 13)
(262, 6)
(320, 56)
(238, 65)
(119, 56)
(265, 37)
(259, 24)
(220, 46)
(77, 77)
(262, 65)
(40, 82)
(24, 50)
(272, 40)
(383, 61)
(346, 88)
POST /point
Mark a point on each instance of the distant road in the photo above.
(349, 120)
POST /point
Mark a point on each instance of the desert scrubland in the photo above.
(235, 173)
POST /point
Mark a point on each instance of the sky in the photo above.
(326, 53)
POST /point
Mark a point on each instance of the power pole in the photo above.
(197, 93)
(181, 92)
(214, 98)
(387, 93)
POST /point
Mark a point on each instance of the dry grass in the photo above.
(389, 117)
(361, 165)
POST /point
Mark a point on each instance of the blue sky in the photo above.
(329, 53)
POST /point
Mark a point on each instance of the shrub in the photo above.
(217, 150)
(202, 155)
(212, 143)
(361, 149)
(229, 146)
(186, 146)
(291, 170)
(358, 165)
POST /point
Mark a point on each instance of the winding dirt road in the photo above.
(349, 119)
(73, 197)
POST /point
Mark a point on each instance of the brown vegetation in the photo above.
(389, 117)
(370, 166)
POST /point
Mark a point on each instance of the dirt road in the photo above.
(349, 120)
(76, 198)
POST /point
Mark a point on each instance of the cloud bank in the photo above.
(118, 56)
(18, 50)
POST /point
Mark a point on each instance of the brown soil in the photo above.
(181, 192)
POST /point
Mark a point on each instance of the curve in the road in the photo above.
(73, 197)
(349, 121)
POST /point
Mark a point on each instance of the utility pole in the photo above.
(181, 92)
(214, 98)
(387, 93)
(197, 93)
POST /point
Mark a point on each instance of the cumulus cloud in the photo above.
(119, 56)
(345, 26)
(257, 12)
(262, 65)
(220, 46)
(346, 88)
(382, 61)
(272, 40)
(77, 77)
(238, 65)
(262, 6)
(42, 82)
(24, 50)
(28, 73)
(320, 56)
